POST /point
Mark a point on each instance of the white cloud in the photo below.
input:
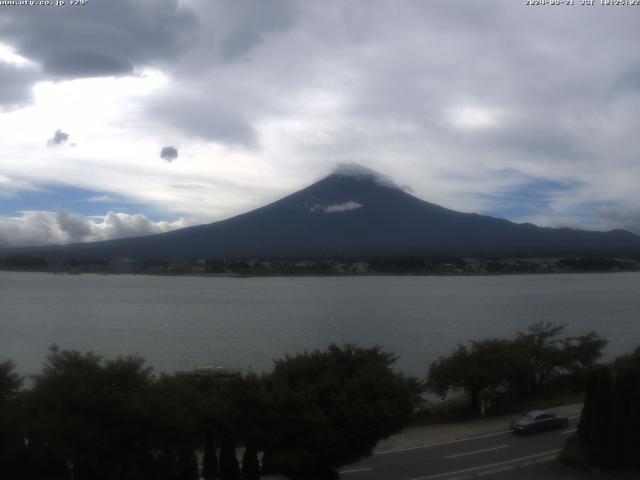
(473, 117)
(48, 228)
(352, 169)
(101, 199)
(342, 207)
(335, 207)
(9, 56)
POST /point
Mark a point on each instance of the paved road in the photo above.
(481, 455)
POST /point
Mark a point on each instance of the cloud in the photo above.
(16, 84)
(74, 226)
(616, 218)
(169, 154)
(335, 207)
(11, 186)
(342, 207)
(444, 96)
(58, 138)
(352, 169)
(49, 228)
(101, 199)
(17, 74)
(101, 40)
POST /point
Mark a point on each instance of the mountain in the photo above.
(355, 212)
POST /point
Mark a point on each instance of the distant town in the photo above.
(323, 266)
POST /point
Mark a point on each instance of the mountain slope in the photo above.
(355, 212)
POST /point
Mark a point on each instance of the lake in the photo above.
(184, 322)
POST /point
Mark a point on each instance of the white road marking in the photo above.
(491, 465)
(450, 442)
(546, 459)
(476, 451)
(356, 470)
(493, 471)
(565, 432)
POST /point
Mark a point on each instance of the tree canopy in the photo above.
(329, 408)
(86, 417)
(609, 429)
(517, 367)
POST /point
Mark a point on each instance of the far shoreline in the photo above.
(323, 275)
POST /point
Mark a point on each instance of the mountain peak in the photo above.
(356, 212)
(360, 172)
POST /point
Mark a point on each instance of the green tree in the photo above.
(209, 458)
(176, 432)
(12, 451)
(91, 414)
(329, 408)
(596, 418)
(483, 366)
(550, 357)
(250, 464)
(507, 369)
(187, 464)
(10, 382)
(609, 428)
(229, 468)
(541, 347)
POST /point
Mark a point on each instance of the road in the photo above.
(480, 455)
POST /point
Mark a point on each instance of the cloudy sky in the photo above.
(124, 117)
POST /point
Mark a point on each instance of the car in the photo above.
(538, 421)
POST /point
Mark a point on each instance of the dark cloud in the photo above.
(245, 24)
(16, 84)
(77, 64)
(77, 228)
(226, 88)
(207, 116)
(58, 138)
(105, 38)
(169, 153)
(618, 218)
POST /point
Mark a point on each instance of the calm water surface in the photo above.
(184, 322)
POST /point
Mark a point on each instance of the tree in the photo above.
(91, 414)
(609, 428)
(229, 469)
(10, 382)
(12, 431)
(597, 415)
(250, 464)
(541, 348)
(550, 357)
(187, 464)
(524, 366)
(175, 432)
(486, 365)
(210, 458)
(329, 408)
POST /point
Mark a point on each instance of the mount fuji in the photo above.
(355, 212)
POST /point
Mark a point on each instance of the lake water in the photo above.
(184, 322)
